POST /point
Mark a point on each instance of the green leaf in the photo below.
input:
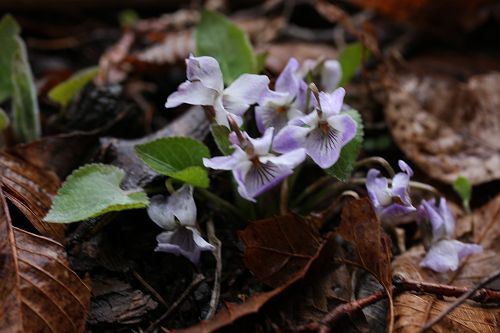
(178, 157)
(218, 37)
(25, 113)
(462, 186)
(64, 92)
(221, 137)
(90, 191)
(343, 168)
(9, 29)
(128, 18)
(4, 120)
(351, 59)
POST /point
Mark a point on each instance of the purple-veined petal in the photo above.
(226, 162)
(290, 159)
(331, 72)
(288, 80)
(445, 255)
(183, 241)
(290, 138)
(344, 124)
(266, 117)
(205, 70)
(323, 145)
(243, 92)
(159, 214)
(405, 168)
(259, 178)
(262, 145)
(193, 93)
(378, 190)
(331, 103)
(301, 98)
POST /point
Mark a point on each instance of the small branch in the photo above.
(471, 292)
(196, 281)
(212, 238)
(146, 285)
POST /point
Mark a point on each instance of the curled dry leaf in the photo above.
(31, 189)
(485, 229)
(448, 128)
(39, 292)
(278, 248)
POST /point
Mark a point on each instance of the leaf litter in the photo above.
(321, 271)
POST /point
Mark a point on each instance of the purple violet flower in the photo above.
(391, 203)
(254, 167)
(205, 86)
(177, 215)
(288, 101)
(323, 132)
(328, 71)
(445, 253)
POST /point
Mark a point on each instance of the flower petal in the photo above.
(331, 72)
(396, 214)
(259, 178)
(243, 92)
(159, 214)
(193, 93)
(262, 145)
(331, 103)
(324, 146)
(226, 162)
(445, 255)
(182, 205)
(344, 124)
(183, 241)
(290, 138)
(399, 188)
(378, 190)
(290, 159)
(288, 80)
(435, 219)
(405, 168)
(207, 71)
(266, 117)
(447, 215)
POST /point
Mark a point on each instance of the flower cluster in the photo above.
(392, 203)
(294, 121)
(177, 215)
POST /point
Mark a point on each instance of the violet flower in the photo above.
(288, 101)
(254, 167)
(391, 202)
(328, 71)
(205, 86)
(177, 215)
(445, 253)
(322, 133)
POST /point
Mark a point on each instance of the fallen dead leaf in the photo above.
(278, 248)
(448, 128)
(31, 189)
(39, 291)
(468, 317)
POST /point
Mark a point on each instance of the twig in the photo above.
(146, 285)
(462, 299)
(196, 281)
(212, 238)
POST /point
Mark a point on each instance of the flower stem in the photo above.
(412, 184)
(220, 203)
(169, 186)
(284, 197)
(376, 160)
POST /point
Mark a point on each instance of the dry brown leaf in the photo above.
(486, 232)
(411, 311)
(39, 292)
(360, 226)
(447, 128)
(278, 248)
(31, 190)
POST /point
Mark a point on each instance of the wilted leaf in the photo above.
(448, 128)
(31, 188)
(64, 92)
(9, 30)
(93, 190)
(360, 226)
(277, 249)
(178, 157)
(25, 119)
(342, 169)
(39, 292)
(215, 35)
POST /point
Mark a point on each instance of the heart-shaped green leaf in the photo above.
(93, 190)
